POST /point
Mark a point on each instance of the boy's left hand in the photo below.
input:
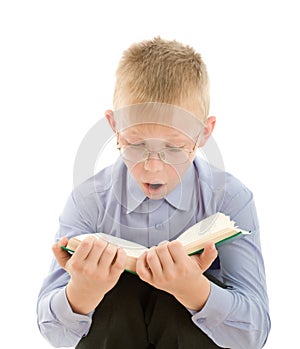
(168, 268)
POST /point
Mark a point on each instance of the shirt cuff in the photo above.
(63, 312)
(215, 310)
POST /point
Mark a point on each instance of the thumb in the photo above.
(61, 256)
(206, 258)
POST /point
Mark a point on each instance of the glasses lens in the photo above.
(135, 154)
(174, 156)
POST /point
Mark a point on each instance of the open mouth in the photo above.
(154, 188)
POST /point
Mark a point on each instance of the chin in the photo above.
(155, 197)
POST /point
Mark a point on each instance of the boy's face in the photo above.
(157, 157)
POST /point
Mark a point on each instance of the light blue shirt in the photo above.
(111, 202)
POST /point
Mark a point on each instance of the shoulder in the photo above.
(102, 183)
(220, 186)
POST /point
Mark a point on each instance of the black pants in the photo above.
(135, 315)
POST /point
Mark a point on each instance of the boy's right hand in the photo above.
(95, 268)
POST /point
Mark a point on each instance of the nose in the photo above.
(153, 164)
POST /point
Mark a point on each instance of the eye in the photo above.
(175, 149)
(136, 144)
(175, 145)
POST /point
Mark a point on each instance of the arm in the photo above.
(242, 313)
(235, 318)
(239, 317)
(76, 285)
(56, 320)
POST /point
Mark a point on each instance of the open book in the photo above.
(217, 228)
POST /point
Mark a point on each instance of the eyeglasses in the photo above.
(173, 156)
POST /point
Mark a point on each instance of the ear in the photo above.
(110, 118)
(207, 131)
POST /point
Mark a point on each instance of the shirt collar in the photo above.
(180, 197)
(134, 194)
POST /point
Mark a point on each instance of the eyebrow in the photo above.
(176, 142)
(169, 137)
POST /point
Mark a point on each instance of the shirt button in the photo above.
(159, 226)
(200, 320)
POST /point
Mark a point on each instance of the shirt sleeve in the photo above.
(238, 317)
(56, 320)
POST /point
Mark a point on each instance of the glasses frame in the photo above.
(149, 152)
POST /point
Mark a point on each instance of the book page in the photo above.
(131, 248)
(207, 226)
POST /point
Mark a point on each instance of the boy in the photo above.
(156, 190)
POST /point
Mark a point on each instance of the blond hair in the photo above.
(162, 71)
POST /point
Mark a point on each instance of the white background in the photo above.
(58, 60)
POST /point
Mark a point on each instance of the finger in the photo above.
(177, 252)
(206, 259)
(108, 256)
(61, 255)
(96, 251)
(164, 256)
(153, 262)
(119, 263)
(142, 268)
(84, 248)
(164, 242)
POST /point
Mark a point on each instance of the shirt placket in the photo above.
(158, 227)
